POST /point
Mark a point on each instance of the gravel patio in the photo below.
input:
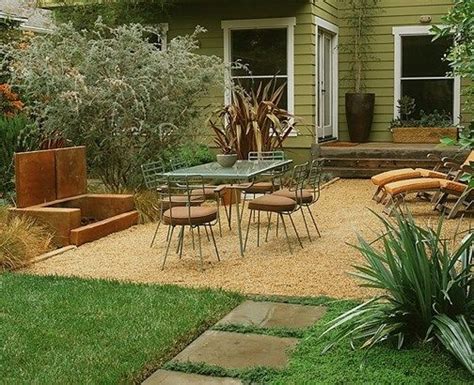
(321, 268)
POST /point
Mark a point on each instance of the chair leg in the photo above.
(179, 249)
(314, 221)
(200, 248)
(207, 234)
(306, 224)
(156, 233)
(167, 248)
(258, 229)
(376, 195)
(296, 231)
(215, 244)
(268, 226)
(243, 206)
(248, 229)
(286, 233)
(277, 225)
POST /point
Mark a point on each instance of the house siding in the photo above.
(184, 16)
(380, 68)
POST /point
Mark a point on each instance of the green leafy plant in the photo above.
(459, 23)
(253, 122)
(406, 108)
(359, 15)
(115, 92)
(427, 290)
(17, 133)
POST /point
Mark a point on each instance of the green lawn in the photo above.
(64, 330)
(381, 365)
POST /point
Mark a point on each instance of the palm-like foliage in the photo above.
(252, 122)
(426, 288)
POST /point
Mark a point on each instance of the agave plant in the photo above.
(252, 122)
(427, 291)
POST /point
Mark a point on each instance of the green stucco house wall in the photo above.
(303, 41)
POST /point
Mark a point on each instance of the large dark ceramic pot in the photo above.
(359, 115)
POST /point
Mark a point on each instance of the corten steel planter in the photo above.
(51, 186)
(359, 115)
(226, 160)
(423, 134)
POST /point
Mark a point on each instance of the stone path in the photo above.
(230, 350)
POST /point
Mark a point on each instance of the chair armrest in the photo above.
(452, 165)
(434, 156)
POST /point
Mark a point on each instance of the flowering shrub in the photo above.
(10, 104)
(112, 90)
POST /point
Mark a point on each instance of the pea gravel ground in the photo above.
(321, 268)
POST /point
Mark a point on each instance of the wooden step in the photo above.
(376, 163)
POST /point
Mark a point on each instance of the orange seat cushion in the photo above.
(413, 185)
(208, 192)
(452, 186)
(299, 196)
(273, 203)
(430, 173)
(261, 188)
(394, 176)
(182, 216)
(469, 159)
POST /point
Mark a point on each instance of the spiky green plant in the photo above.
(426, 290)
(253, 122)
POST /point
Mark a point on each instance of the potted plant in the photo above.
(359, 104)
(428, 128)
(252, 122)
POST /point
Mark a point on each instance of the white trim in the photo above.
(164, 39)
(417, 30)
(286, 22)
(334, 30)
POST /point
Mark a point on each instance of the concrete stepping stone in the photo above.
(272, 314)
(237, 350)
(168, 377)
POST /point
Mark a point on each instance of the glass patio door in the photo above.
(325, 86)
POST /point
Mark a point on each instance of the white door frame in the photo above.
(333, 30)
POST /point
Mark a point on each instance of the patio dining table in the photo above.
(243, 171)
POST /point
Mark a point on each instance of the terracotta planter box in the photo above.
(423, 134)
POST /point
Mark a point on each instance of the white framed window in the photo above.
(267, 47)
(160, 41)
(421, 72)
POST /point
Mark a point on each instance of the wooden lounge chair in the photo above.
(455, 171)
(398, 190)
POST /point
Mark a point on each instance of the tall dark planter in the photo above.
(359, 115)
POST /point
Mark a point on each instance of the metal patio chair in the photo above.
(305, 189)
(155, 181)
(190, 215)
(281, 206)
(211, 192)
(274, 178)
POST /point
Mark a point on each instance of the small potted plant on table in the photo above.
(225, 141)
(428, 128)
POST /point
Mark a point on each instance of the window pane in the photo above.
(423, 57)
(264, 50)
(327, 81)
(253, 84)
(430, 95)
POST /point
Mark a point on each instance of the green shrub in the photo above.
(427, 291)
(114, 91)
(16, 134)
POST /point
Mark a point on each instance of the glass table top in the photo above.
(242, 170)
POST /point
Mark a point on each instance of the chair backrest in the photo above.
(153, 175)
(315, 176)
(266, 155)
(178, 163)
(299, 177)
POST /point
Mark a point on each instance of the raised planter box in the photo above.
(423, 134)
